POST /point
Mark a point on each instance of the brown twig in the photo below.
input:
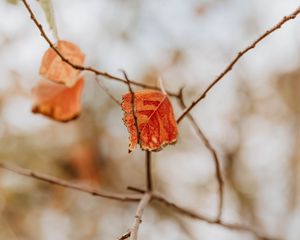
(148, 171)
(138, 215)
(124, 236)
(143, 200)
(212, 151)
(147, 194)
(236, 59)
(105, 89)
(189, 213)
(197, 216)
(133, 107)
(148, 153)
(81, 67)
(134, 189)
(66, 184)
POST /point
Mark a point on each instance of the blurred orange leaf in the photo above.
(84, 159)
(155, 120)
(54, 69)
(57, 101)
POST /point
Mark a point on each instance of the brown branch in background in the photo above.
(81, 67)
(197, 216)
(106, 90)
(200, 217)
(212, 151)
(147, 195)
(138, 215)
(148, 171)
(236, 59)
(143, 200)
(66, 184)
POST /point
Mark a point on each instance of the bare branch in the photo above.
(133, 107)
(134, 189)
(236, 59)
(81, 67)
(189, 213)
(148, 195)
(148, 153)
(212, 151)
(138, 216)
(200, 217)
(148, 171)
(106, 90)
(68, 185)
(143, 200)
(124, 236)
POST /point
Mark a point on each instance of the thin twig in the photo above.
(134, 189)
(236, 59)
(133, 107)
(189, 213)
(81, 67)
(143, 200)
(68, 185)
(106, 90)
(161, 85)
(197, 216)
(138, 216)
(212, 151)
(148, 171)
(124, 236)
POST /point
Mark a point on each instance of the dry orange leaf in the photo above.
(155, 120)
(54, 69)
(57, 101)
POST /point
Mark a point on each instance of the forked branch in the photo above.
(213, 153)
(236, 59)
(138, 215)
(221, 223)
(105, 89)
(189, 213)
(144, 197)
(148, 195)
(81, 67)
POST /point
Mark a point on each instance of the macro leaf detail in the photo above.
(155, 120)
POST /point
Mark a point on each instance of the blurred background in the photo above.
(252, 118)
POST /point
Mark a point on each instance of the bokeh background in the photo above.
(252, 118)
